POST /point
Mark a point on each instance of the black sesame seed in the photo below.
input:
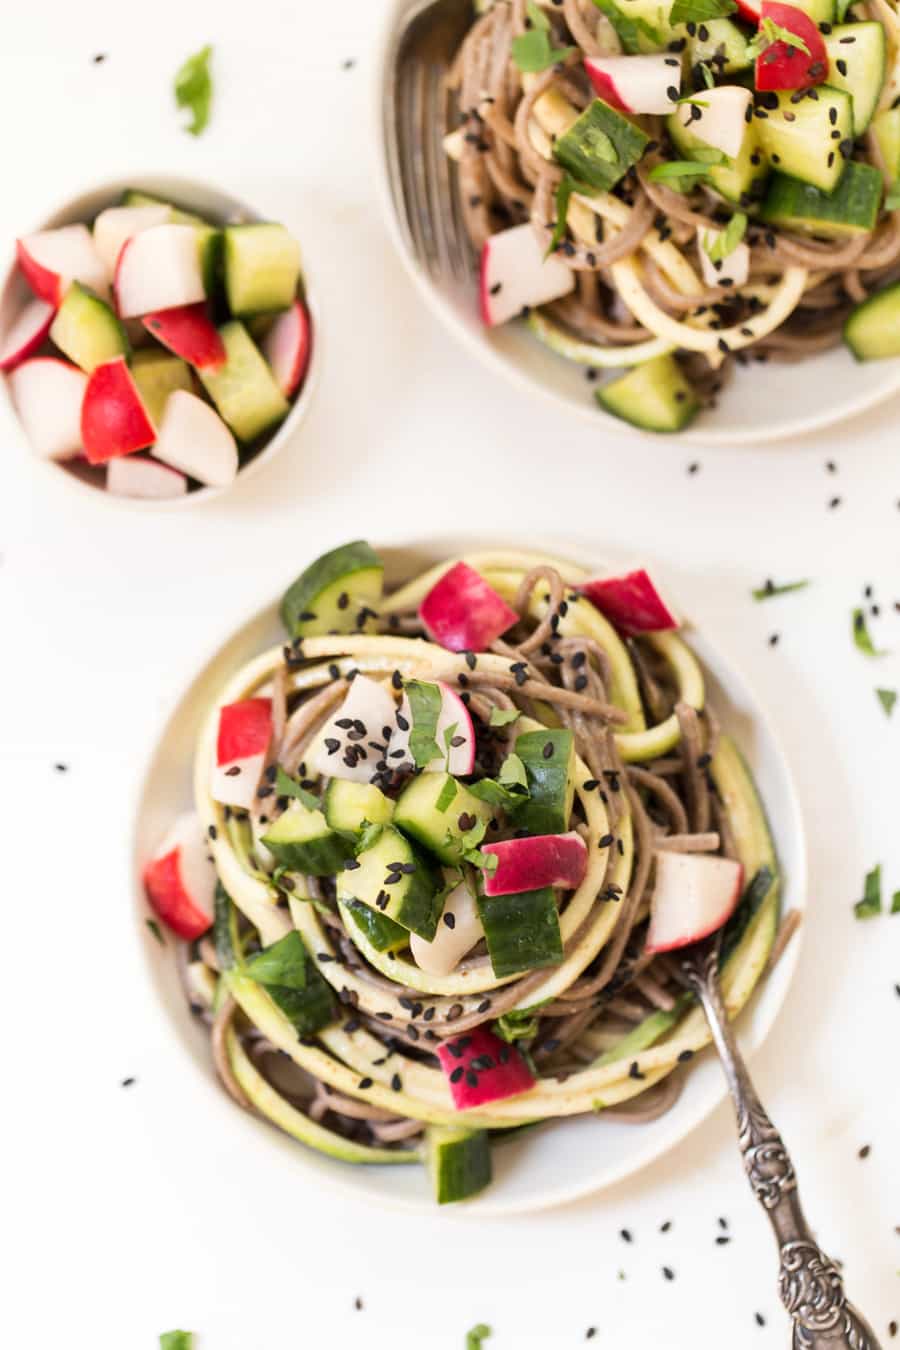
(450, 920)
(365, 1082)
(668, 1272)
(625, 1235)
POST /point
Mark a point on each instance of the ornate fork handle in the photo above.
(809, 1283)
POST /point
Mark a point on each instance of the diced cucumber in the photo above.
(803, 139)
(418, 812)
(601, 146)
(134, 197)
(655, 396)
(86, 330)
(336, 594)
(158, 374)
(821, 11)
(393, 877)
(856, 63)
(243, 388)
(458, 1161)
(646, 1033)
(886, 127)
(851, 209)
(872, 331)
(262, 268)
(721, 45)
(549, 759)
(292, 980)
(302, 841)
(350, 806)
(641, 25)
(741, 179)
(382, 932)
(522, 930)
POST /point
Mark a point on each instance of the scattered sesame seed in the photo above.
(865, 1151)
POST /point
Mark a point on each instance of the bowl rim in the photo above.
(181, 188)
(475, 341)
(488, 1205)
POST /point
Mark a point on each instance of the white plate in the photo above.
(560, 1161)
(773, 402)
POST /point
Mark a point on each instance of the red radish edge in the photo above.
(604, 87)
(463, 613)
(750, 10)
(288, 347)
(26, 333)
(694, 895)
(188, 331)
(781, 66)
(180, 882)
(508, 1076)
(537, 861)
(114, 420)
(245, 729)
(631, 602)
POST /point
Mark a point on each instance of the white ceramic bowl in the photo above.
(563, 1160)
(218, 206)
(774, 402)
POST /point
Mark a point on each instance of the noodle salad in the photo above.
(676, 186)
(448, 841)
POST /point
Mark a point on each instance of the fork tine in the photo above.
(426, 216)
(446, 184)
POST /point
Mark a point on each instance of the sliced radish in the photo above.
(781, 66)
(730, 271)
(515, 275)
(538, 861)
(481, 1068)
(28, 330)
(463, 613)
(47, 394)
(188, 331)
(353, 741)
(452, 940)
(455, 736)
(159, 269)
(751, 10)
(180, 881)
(287, 347)
(52, 259)
(632, 602)
(636, 84)
(114, 420)
(694, 895)
(242, 748)
(131, 477)
(718, 117)
(192, 437)
(115, 226)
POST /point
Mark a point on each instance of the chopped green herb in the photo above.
(770, 588)
(887, 698)
(563, 195)
(895, 903)
(193, 89)
(536, 16)
(842, 7)
(425, 707)
(698, 11)
(629, 31)
(156, 931)
(862, 636)
(532, 51)
(686, 168)
(706, 75)
(285, 786)
(727, 240)
(369, 837)
(892, 200)
(501, 717)
(446, 795)
(449, 733)
(770, 32)
(473, 837)
(477, 1335)
(176, 1340)
(509, 790)
(870, 904)
(517, 1025)
(512, 772)
(472, 853)
(283, 963)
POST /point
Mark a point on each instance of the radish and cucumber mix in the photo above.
(446, 840)
(662, 189)
(161, 350)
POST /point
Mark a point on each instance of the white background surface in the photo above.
(129, 1211)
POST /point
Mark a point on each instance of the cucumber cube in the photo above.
(655, 396)
(86, 330)
(420, 813)
(349, 806)
(262, 268)
(601, 146)
(392, 877)
(522, 930)
(302, 841)
(803, 139)
(549, 759)
(331, 594)
(851, 209)
(157, 375)
(243, 388)
(458, 1161)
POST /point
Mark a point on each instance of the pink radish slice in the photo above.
(530, 864)
(632, 602)
(722, 120)
(28, 330)
(114, 420)
(132, 477)
(115, 226)
(354, 740)
(694, 895)
(443, 954)
(516, 276)
(52, 259)
(507, 1075)
(751, 10)
(636, 84)
(456, 754)
(287, 348)
(180, 880)
(242, 748)
(47, 394)
(189, 332)
(193, 438)
(463, 613)
(159, 269)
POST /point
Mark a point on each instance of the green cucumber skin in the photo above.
(550, 781)
(654, 396)
(308, 1010)
(646, 1033)
(851, 209)
(349, 806)
(335, 569)
(86, 329)
(316, 857)
(243, 389)
(416, 815)
(724, 40)
(577, 149)
(872, 330)
(225, 937)
(415, 901)
(382, 932)
(458, 1162)
(522, 931)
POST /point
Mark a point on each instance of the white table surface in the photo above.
(132, 1210)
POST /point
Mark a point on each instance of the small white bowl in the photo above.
(763, 403)
(221, 208)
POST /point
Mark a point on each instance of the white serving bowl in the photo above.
(762, 403)
(562, 1160)
(221, 208)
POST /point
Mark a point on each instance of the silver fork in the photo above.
(809, 1282)
(417, 112)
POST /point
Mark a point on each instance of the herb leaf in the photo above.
(870, 904)
(285, 786)
(629, 31)
(685, 168)
(892, 200)
(517, 1025)
(697, 11)
(769, 588)
(425, 707)
(156, 931)
(446, 795)
(501, 717)
(770, 32)
(193, 89)
(532, 50)
(842, 7)
(284, 963)
(886, 697)
(706, 75)
(727, 240)
(477, 1335)
(537, 16)
(862, 636)
(176, 1340)
(895, 903)
(369, 837)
